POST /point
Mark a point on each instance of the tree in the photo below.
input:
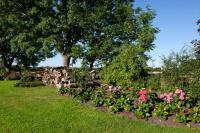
(68, 35)
(103, 20)
(133, 39)
(20, 36)
(196, 42)
(113, 23)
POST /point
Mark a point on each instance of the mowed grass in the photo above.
(42, 110)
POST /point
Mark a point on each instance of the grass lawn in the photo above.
(42, 110)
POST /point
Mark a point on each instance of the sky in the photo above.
(176, 20)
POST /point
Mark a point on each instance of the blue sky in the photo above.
(176, 20)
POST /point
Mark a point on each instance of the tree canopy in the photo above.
(20, 37)
(92, 31)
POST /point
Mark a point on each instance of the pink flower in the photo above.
(178, 91)
(143, 95)
(162, 96)
(168, 97)
(182, 96)
(171, 94)
(143, 98)
(143, 92)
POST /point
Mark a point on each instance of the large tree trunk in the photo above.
(66, 60)
(7, 63)
(91, 65)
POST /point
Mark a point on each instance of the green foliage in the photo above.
(81, 77)
(84, 91)
(63, 90)
(118, 101)
(144, 111)
(98, 97)
(112, 24)
(127, 67)
(30, 84)
(154, 82)
(161, 110)
(111, 99)
(175, 67)
(195, 114)
(28, 81)
(2, 72)
(84, 94)
(21, 38)
(181, 70)
(124, 103)
(182, 117)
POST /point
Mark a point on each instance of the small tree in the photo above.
(176, 68)
(129, 66)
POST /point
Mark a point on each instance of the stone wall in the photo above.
(55, 77)
(59, 77)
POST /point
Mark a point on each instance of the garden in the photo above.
(112, 90)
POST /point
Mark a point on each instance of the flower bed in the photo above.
(143, 103)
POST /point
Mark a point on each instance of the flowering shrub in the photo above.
(168, 97)
(118, 101)
(143, 95)
(144, 105)
(180, 93)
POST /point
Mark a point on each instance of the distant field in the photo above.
(42, 110)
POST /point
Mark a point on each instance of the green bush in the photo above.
(83, 94)
(28, 81)
(161, 110)
(118, 101)
(63, 90)
(144, 110)
(128, 67)
(30, 84)
(195, 114)
(98, 97)
(154, 82)
(81, 77)
(182, 117)
(181, 70)
(2, 72)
